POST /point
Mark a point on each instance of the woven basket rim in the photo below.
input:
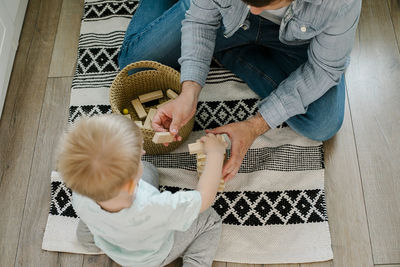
(166, 76)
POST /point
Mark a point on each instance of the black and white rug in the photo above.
(273, 211)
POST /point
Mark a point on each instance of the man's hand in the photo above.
(242, 135)
(175, 114)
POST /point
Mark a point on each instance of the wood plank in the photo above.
(178, 263)
(394, 7)
(19, 125)
(317, 264)
(232, 264)
(374, 96)
(219, 264)
(345, 202)
(53, 119)
(282, 265)
(391, 265)
(68, 260)
(98, 261)
(65, 51)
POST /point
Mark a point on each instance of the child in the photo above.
(116, 195)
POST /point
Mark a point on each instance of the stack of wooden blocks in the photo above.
(159, 137)
(197, 148)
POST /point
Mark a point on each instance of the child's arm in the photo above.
(211, 176)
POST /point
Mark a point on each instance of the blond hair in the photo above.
(99, 155)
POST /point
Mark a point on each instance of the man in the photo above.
(291, 53)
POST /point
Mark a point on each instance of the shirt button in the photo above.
(303, 29)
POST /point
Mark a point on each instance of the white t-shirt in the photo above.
(143, 234)
(274, 15)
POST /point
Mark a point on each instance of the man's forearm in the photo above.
(258, 125)
(191, 88)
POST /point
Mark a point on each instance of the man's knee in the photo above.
(122, 58)
(324, 130)
(186, 4)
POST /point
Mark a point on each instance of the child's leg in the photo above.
(85, 237)
(150, 174)
(198, 245)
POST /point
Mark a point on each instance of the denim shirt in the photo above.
(328, 26)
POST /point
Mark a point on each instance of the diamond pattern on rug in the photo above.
(105, 9)
(97, 59)
(212, 114)
(61, 200)
(88, 110)
(235, 207)
(251, 208)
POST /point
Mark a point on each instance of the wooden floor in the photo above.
(362, 160)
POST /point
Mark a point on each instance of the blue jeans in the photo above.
(255, 55)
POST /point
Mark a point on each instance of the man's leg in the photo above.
(266, 63)
(324, 117)
(198, 245)
(145, 13)
(158, 39)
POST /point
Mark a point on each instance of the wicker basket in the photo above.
(127, 87)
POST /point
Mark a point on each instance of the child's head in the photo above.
(99, 155)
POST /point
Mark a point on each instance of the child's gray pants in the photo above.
(197, 246)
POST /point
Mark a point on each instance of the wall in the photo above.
(12, 14)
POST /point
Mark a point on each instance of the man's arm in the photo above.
(199, 31)
(242, 135)
(328, 57)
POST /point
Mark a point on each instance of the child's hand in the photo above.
(212, 144)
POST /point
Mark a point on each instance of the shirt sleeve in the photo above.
(180, 209)
(199, 31)
(328, 57)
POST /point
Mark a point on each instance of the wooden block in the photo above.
(127, 116)
(221, 138)
(162, 104)
(221, 186)
(195, 148)
(149, 118)
(162, 137)
(139, 124)
(139, 108)
(151, 96)
(201, 156)
(171, 94)
(201, 163)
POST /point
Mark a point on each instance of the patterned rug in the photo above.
(273, 211)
